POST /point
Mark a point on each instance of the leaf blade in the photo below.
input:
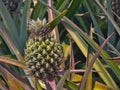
(62, 80)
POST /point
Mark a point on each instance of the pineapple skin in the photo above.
(44, 56)
(116, 6)
(11, 5)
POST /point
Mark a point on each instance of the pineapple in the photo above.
(116, 6)
(11, 5)
(43, 54)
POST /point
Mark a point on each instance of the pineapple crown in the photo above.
(36, 27)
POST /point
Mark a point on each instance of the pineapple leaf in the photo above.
(62, 80)
(23, 26)
(73, 7)
(92, 62)
(11, 45)
(98, 65)
(109, 17)
(10, 25)
(38, 11)
(14, 81)
(13, 62)
(57, 19)
(62, 4)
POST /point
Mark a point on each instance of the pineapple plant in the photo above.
(43, 54)
(38, 52)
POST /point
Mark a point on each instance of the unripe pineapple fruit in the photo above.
(43, 54)
(11, 5)
(116, 6)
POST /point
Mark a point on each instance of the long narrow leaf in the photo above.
(13, 62)
(63, 5)
(103, 54)
(23, 27)
(72, 8)
(62, 80)
(91, 64)
(14, 48)
(51, 16)
(59, 3)
(100, 86)
(104, 75)
(79, 41)
(10, 76)
(110, 26)
(72, 85)
(10, 25)
(98, 65)
(57, 19)
(110, 45)
(39, 11)
(109, 16)
(96, 26)
(89, 83)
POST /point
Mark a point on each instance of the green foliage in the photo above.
(86, 23)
